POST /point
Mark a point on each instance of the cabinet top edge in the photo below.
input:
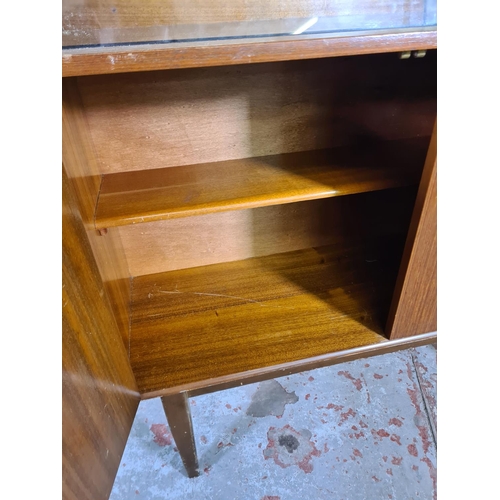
(151, 57)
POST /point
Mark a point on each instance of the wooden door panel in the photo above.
(99, 392)
(414, 305)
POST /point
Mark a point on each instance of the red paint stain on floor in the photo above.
(409, 370)
(358, 435)
(432, 474)
(325, 448)
(332, 406)
(203, 439)
(377, 376)
(362, 424)
(228, 406)
(421, 366)
(412, 450)
(396, 461)
(381, 433)
(305, 465)
(267, 497)
(389, 472)
(310, 379)
(162, 436)
(414, 397)
(307, 397)
(344, 416)
(368, 397)
(396, 422)
(301, 456)
(396, 439)
(357, 453)
(376, 479)
(356, 381)
(424, 435)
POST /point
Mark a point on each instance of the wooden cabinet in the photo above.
(240, 221)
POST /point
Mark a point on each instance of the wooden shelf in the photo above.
(158, 194)
(191, 327)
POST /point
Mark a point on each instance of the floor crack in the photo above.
(427, 412)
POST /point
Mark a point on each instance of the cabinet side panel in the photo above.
(414, 306)
(78, 151)
(99, 392)
(82, 167)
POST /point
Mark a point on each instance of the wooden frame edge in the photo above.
(281, 370)
(150, 57)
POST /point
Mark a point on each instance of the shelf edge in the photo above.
(110, 208)
(150, 57)
(252, 376)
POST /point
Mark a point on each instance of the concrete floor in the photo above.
(363, 430)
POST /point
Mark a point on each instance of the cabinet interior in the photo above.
(259, 212)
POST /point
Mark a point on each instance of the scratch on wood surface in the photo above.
(224, 296)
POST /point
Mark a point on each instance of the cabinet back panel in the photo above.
(229, 236)
(180, 117)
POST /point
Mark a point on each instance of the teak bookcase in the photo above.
(233, 216)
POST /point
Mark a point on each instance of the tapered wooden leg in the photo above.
(178, 415)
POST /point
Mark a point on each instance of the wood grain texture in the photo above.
(99, 393)
(152, 195)
(78, 17)
(78, 152)
(414, 307)
(112, 262)
(229, 236)
(186, 117)
(81, 165)
(148, 57)
(284, 369)
(197, 324)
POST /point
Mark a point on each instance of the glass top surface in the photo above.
(108, 23)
